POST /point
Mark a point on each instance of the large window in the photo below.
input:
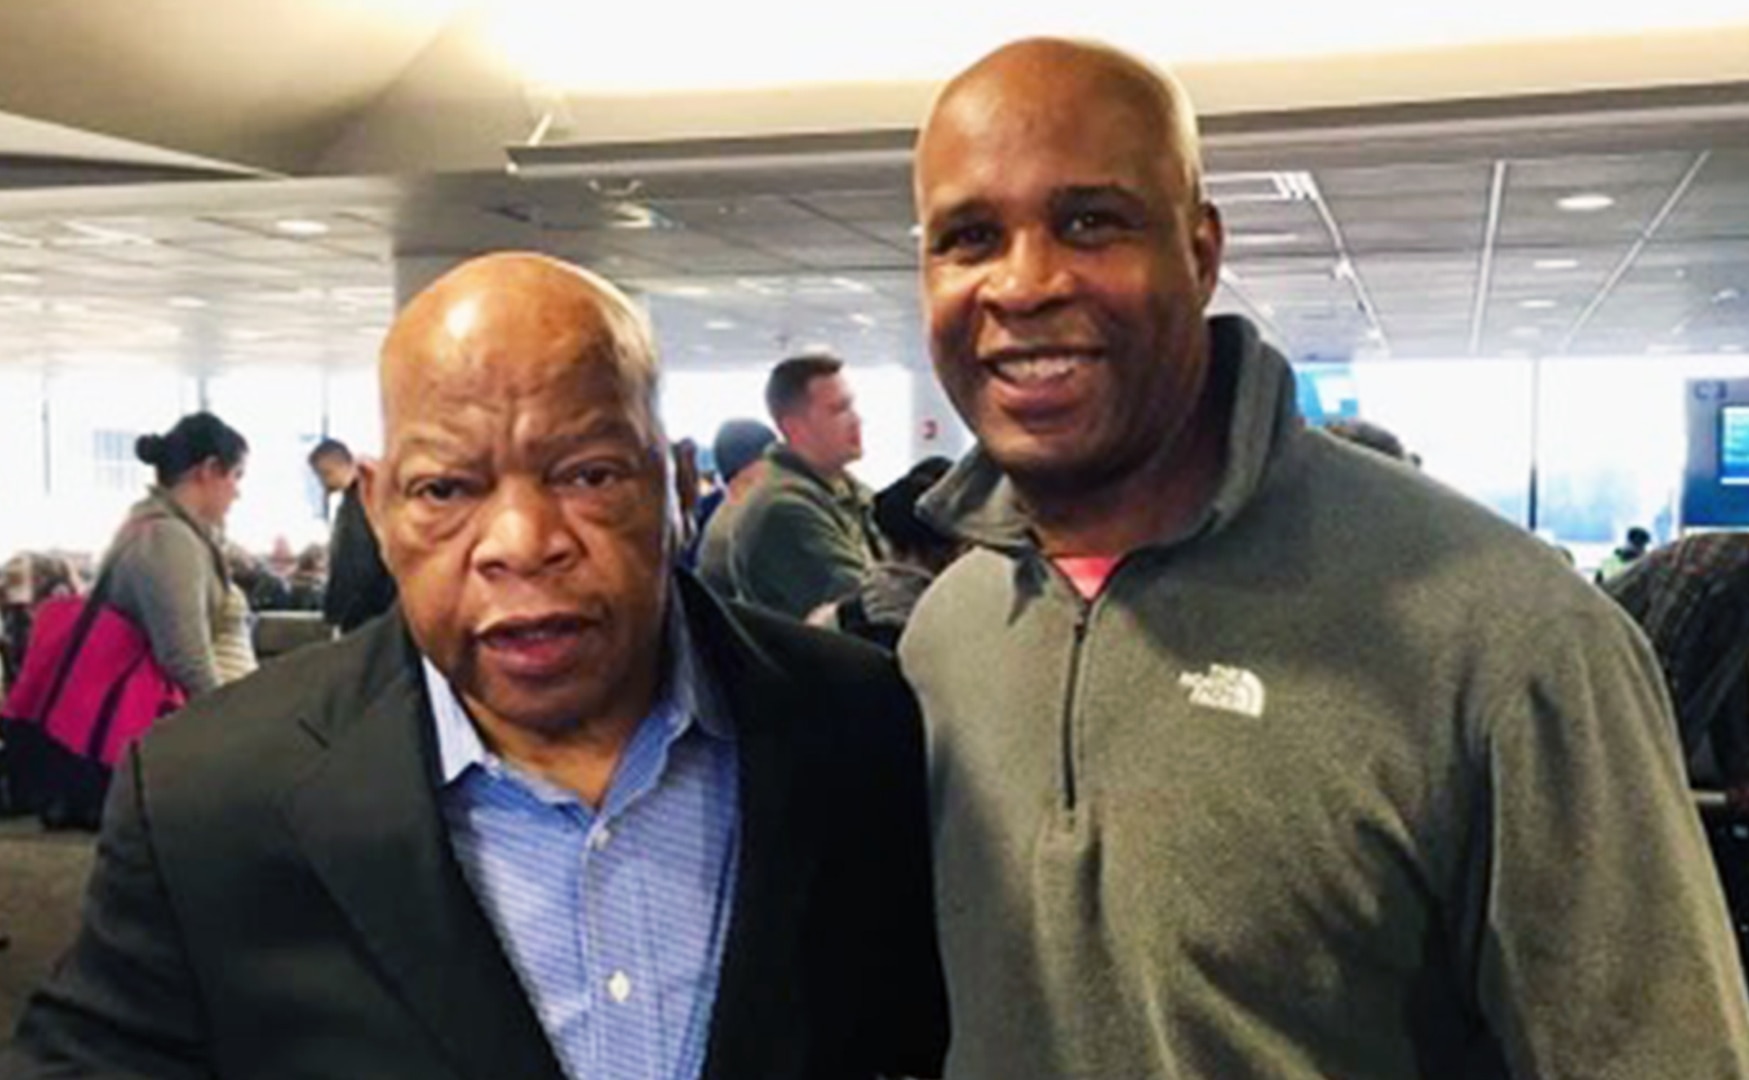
(1607, 436)
(23, 487)
(279, 410)
(1468, 420)
(94, 417)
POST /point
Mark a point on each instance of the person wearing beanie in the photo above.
(739, 451)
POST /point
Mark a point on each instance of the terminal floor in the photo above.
(42, 879)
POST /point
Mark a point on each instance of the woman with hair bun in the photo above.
(168, 569)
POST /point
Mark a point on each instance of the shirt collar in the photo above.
(687, 697)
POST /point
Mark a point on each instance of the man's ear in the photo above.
(1208, 240)
(371, 490)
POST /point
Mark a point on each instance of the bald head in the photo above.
(1068, 258)
(521, 500)
(489, 318)
(1060, 75)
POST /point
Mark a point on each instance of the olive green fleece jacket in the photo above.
(1353, 781)
(800, 540)
(169, 577)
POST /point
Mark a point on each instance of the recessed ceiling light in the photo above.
(690, 290)
(861, 319)
(12, 277)
(718, 324)
(1538, 304)
(300, 227)
(1527, 331)
(1585, 202)
(186, 302)
(916, 232)
(1723, 296)
(1556, 264)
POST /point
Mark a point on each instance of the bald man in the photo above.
(560, 815)
(1254, 754)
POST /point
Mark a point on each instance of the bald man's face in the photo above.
(520, 502)
(1066, 268)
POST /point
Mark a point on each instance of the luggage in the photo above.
(89, 688)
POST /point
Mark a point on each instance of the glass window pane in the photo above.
(94, 417)
(355, 412)
(1613, 435)
(1469, 420)
(279, 410)
(23, 492)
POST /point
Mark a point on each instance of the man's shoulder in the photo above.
(250, 724)
(809, 655)
(1368, 527)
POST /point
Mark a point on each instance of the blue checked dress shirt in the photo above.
(614, 919)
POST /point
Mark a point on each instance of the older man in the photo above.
(564, 815)
(1256, 755)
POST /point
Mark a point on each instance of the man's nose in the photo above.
(525, 531)
(1031, 274)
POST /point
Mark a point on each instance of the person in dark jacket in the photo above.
(560, 813)
(359, 585)
(878, 610)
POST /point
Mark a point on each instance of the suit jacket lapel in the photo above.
(368, 820)
(757, 991)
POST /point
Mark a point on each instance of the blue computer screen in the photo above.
(1734, 444)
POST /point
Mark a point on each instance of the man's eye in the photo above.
(596, 475)
(438, 490)
(1093, 223)
(969, 238)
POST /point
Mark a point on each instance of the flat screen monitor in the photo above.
(1734, 444)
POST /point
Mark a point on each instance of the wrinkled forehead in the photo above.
(498, 351)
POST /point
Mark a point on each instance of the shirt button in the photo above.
(599, 838)
(619, 986)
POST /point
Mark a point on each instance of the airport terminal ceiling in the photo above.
(1366, 223)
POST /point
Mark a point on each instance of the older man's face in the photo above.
(521, 504)
(1065, 268)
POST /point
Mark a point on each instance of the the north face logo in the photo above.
(1230, 689)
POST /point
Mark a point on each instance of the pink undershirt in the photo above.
(1087, 572)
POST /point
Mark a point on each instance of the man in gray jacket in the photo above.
(1255, 754)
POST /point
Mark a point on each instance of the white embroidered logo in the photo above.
(1230, 689)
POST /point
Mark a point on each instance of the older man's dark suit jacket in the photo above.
(275, 894)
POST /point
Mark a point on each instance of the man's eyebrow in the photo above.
(428, 442)
(604, 429)
(955, 213)
(1076, 194)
